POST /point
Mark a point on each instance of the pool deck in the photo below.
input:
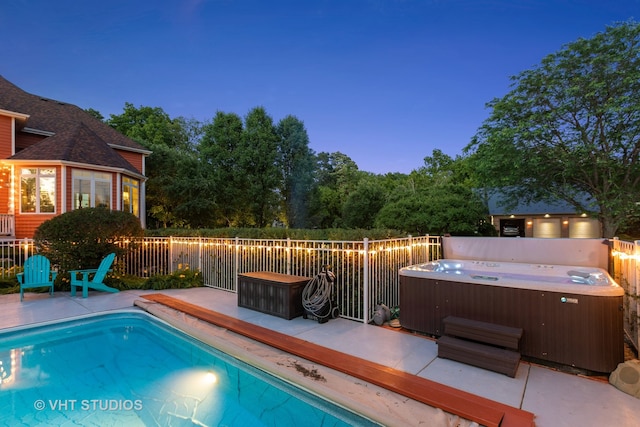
(555, 398)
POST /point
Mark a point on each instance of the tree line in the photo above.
(250, 171)
(569, 130)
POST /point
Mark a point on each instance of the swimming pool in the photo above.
(131, 369)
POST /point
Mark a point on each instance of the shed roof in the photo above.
(495, 203)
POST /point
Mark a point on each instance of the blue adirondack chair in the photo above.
(37, 274)
(92, 278)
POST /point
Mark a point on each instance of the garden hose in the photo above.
(316, 295)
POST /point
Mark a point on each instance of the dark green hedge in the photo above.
(279, 233)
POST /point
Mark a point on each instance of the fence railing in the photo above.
(13, 252)
(624, 270)
(7, 225)
(366, 271)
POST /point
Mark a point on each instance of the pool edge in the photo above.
(450, 400)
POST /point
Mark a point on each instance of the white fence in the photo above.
(366, 271)
(13, 252)
(7, 225)
(624, 270)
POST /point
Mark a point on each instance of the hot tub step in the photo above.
(487, 333)
(480, 355)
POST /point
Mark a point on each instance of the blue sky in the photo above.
(383, 81)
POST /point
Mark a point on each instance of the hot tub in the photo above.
(570, 315)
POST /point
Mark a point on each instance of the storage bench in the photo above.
(272, 293)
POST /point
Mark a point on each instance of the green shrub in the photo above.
(180, 279)
(81, 238)
(9, 286)
(125, 282)
(279, 233)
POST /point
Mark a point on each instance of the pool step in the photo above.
(485, 345)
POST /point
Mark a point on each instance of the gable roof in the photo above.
(77, 136)
(75, 144)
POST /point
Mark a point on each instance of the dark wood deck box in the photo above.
(272, 293)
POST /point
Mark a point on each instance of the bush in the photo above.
(81, 238)
(279, 233)
(180, 279)
(9, 286)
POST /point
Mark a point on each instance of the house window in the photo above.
(91, 189)
(37, 190)
(130, 196)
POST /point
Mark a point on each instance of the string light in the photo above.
(349, 250)
(624, 255)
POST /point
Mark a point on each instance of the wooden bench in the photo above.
(485, 345)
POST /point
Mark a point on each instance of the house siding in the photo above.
(24, 140)
(68, 201)
(5, 184)
(551, 226)
(134, 158)
(27, 223)
(64, 137)
(6, 141)
(6, 127)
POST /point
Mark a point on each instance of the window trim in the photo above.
(134, 186)
(91, 176)
(38, 175)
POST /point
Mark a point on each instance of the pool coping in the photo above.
(466, 405)
(383, 407)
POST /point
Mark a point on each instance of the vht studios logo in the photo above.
(88, 405)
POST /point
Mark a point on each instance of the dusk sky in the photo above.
(383, 81)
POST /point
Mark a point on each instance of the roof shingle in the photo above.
(77, 135)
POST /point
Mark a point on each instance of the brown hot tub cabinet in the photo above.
(579, 325)
(272, 293)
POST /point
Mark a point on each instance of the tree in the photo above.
(363, 204)
(174, 189)
(219, 153)
(191, 131)
(192, 192)
(152, 126)
(437, 198)
(163, 169)
(449, 208)
(95, 113)
(569, 128)
(336, 177)
(257, 159)
(296, 162)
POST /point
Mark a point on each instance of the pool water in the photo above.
(131, 369)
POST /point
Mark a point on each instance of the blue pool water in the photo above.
(131, 369)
